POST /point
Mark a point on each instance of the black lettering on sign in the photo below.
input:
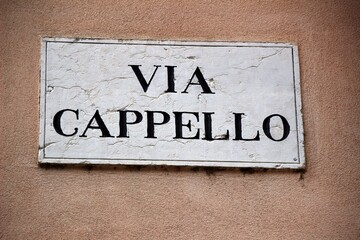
(202, 82)
(123, 121)
(145, 85)
(57, 122)
(171, 79)
(100, 125)
(238, 129)
(179, 125)
(286, 127)
(96, 122)
(151, 124)
(208, 128)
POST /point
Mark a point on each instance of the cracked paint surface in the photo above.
(257, 80)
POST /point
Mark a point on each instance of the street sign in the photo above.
(225, 104)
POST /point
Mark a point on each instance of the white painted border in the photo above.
(42, 102)
(300, 134)
(165, 42)
(300, 128)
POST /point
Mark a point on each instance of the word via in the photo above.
(171, 79)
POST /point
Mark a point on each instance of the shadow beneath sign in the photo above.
(209, 171)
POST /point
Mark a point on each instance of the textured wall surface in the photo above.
(184, 203)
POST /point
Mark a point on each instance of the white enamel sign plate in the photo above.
(225, 104)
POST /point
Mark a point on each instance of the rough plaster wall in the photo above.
(181, 203)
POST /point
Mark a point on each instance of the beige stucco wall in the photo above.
(185, 203)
